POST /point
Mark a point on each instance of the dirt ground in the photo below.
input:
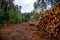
(23, 31)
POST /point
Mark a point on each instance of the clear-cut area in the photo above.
(23, 31)
(29, 20)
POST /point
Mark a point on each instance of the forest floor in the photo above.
(23, 31)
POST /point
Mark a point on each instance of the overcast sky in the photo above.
(27, 5)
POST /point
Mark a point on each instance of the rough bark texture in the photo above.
(50, 21)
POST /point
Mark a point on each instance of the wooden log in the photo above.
(50, 21)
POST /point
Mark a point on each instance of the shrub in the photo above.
(35, 16)
(15, 17)
(18, 17)
(1, 17)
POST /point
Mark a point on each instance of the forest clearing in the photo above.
(40, 20)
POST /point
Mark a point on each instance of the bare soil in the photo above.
(23, 31)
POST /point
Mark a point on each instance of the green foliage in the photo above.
(36, 16)
(44, 5)
(1, 17)
(26, 16)
(18, 17)
(6, 16)
(10, 16)
(15, 17)
(53, 1)
(35, 5)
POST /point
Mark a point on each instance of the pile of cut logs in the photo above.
(50, 21)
